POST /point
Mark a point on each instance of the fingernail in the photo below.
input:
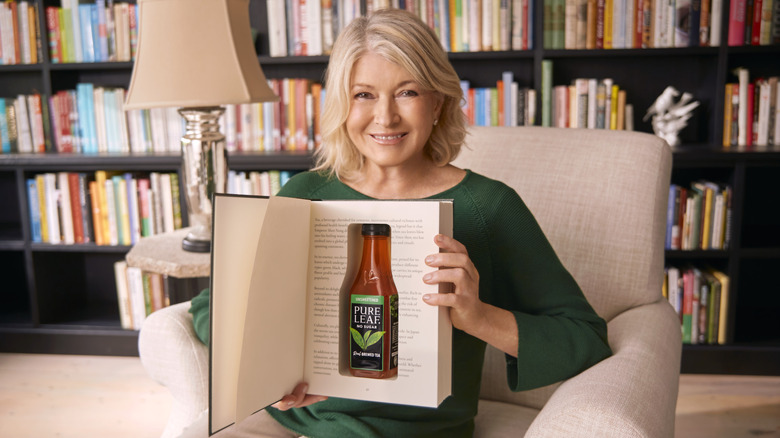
(426, 297)
(427, 277)
(290, 403)
(429, 259)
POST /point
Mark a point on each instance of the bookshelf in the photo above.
(40, 319)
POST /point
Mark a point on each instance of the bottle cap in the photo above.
(375, 230)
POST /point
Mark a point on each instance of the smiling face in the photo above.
(391, 116)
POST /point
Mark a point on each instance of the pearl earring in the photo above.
(435, 122)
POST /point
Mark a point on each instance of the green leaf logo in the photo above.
(373, 339)
(366, 340)
(358, 338)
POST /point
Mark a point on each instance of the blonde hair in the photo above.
(401, 38)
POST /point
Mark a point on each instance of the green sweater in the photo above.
(560, 335)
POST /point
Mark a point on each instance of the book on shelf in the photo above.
(699, 216)
(93, 32)
(626, 24)
(753, 22)
(506, 104)
(292, 123)
(291, 261)
(305, 28)
(587, 103)
(105, 208)
(139, 293)
(20, 35)
(700, 296)
(751, 113)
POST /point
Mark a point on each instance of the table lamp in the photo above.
(196, 55)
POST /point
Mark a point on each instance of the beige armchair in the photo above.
(600, 197)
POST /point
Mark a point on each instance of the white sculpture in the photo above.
(669, 118)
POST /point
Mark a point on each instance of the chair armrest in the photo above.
(174, 357)
(631, 394)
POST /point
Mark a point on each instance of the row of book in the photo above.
(754, 22)
(506, 104)
(256, 183)
(301, 28)
(20, 36)
(139, 293)
(627, 24)
(92, 120)
(699, 216)
(591, 103)
(700, 296)
(751, 113)
(102, 31)
(292, 123)
(104, 208)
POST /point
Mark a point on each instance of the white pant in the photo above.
(259, 425)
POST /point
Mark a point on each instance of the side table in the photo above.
(186, 273)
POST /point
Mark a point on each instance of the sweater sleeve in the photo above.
(560, 335)
(199, 308)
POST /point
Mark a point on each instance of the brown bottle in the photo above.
(373, 309)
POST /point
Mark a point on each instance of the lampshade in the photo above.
(195, 53)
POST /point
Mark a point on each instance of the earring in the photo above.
(435, 122)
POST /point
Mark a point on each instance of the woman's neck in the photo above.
(405, 183)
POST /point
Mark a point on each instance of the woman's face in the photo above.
(390, 116)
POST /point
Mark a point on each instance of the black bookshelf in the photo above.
(62, 299)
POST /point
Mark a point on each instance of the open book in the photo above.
(281, 268)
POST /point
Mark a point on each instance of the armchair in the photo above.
(600, 197)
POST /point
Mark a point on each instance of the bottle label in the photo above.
(367, 329)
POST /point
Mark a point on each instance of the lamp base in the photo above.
(195, 245)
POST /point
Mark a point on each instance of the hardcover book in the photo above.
(281, 272)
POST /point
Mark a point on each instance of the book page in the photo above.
(424, 332)
(275, 308)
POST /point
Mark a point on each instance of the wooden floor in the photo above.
(87, 396)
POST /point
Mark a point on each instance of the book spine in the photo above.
(34, 210)
(737, 11)
(86, 197)
(53, 28)
(123, 296)
(75, 207)
(5, 139)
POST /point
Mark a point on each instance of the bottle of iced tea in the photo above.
(373, 309)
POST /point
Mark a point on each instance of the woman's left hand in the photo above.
(466, 310)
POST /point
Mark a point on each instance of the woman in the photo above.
(392, 125)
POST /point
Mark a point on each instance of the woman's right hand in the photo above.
(299, 398)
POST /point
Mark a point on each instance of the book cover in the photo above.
(287, 263)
